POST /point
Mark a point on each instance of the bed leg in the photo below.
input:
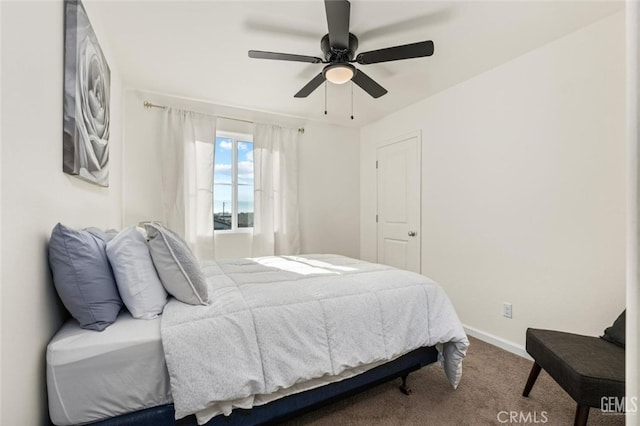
(403, 387)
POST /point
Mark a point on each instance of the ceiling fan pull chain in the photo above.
(352, 100)
(325, 97)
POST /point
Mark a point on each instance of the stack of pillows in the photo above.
(95, 273)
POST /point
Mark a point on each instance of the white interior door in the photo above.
(398, 178)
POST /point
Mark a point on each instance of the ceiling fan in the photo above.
(339, 47)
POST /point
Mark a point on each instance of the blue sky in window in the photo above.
(222, 175)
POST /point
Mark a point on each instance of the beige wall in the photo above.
(633, 208)
(328, 174)
(36, 195)
(523, 187)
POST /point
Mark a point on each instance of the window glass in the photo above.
(223, 170)
(233, 183)
(245, 184)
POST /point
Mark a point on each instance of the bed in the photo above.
(279, 336)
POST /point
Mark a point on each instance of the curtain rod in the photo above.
(149, 105)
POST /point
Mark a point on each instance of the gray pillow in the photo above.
(83, 278)
(98, 233)
(177, 267)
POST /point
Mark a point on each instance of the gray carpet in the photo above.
(491, 387)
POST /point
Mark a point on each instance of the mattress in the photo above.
(94, 375)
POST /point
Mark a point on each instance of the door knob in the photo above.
(412, 233)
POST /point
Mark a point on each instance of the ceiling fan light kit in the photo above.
(339, 73)
(339, 47)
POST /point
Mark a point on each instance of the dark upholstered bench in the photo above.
(587, 368)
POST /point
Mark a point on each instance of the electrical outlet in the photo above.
(507, 310)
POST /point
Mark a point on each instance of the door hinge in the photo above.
(376, 218)
(376, 164)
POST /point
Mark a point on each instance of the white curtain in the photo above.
(187, 156)
(275, 223)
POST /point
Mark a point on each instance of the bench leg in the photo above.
(533, 375)
(582, 415)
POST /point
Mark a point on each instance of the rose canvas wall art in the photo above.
(86, 99)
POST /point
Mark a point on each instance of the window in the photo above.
(233, 182)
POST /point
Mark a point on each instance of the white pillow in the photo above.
(136, 277)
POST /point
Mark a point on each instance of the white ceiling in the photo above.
(199, 49)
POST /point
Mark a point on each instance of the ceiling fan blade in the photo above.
(338, 22)
(407, 51)
(368, 85)
(310, 86)
(259, 54)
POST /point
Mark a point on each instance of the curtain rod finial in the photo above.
(149, 105)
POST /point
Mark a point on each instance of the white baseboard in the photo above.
(497, 341)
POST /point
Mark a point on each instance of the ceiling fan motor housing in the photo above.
(338, 55)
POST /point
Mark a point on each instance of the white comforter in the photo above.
(274, 322)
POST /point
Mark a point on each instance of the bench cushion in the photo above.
(586, 367)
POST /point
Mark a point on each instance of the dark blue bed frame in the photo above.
(289, 406)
